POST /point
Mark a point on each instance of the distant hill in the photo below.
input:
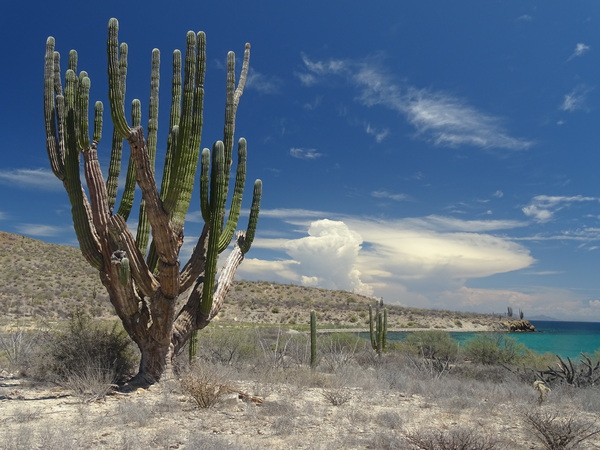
(42, 280)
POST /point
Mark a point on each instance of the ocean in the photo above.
(565, 339)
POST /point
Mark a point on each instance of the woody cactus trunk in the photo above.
(159, 302)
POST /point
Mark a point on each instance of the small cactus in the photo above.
(378, 328)
(313, 340)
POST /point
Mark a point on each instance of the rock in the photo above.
(518, 325)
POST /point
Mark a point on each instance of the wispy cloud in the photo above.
(378, 134)
(305, 153)
(33, 229)
(263, 83)
(30, 178)
(397, 197)
(542, 208)
(580, 50)
(442, 118)
(576, 99)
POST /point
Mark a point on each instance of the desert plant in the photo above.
(337, 396)
(205, 385)
(455, 439)
(145, 282)
(494, 349)
(17, 346)
(558, 433)
(85, 349)
(582, 374)
(313, 339)
(433, 344)
(378, 327)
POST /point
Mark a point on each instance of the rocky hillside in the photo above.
(41, 280)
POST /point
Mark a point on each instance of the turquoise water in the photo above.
(565, 339)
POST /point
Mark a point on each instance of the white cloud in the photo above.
(408, 260)
(263, 84)
(305, 153)
(498, 194)
(442, 118)
(327, 256)
(543, 207)
(576, 99)
(389, 195)
(580, 50)
(379, 135)
(30, 178)
(32, 229)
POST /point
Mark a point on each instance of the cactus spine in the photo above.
(144, 285)
(313, 340)
(378, 327)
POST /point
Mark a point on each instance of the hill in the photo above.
(42, 280)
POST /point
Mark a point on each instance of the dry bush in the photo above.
(205, 385)
(90, 383)
(18, 346)
(337, 396)
(85, 347)
(455, 439)
(557, 433)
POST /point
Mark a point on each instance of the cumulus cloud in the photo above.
(327, 256)
(542, 208)
(442, 118)
(305, 153)
(30, 178)
(408, 261)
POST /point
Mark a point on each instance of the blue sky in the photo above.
(436, 154)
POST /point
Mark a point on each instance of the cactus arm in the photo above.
(236, 201)
(116, 94)
(98, 110)
(114, 169)
(173, 121)
(129, 189)
(50, 111)
(143, 230)
(184, 158)
(253, 218)
(204, 185)
(217, 200)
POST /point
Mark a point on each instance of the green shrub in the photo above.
(495, 349)
(432, 344)
(84, 345)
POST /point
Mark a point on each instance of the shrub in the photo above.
(494, 349)
(85, 348)
(456, 439)
(433, 344)
(559, 433)
(205, 385)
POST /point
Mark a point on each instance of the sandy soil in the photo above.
(34, 416)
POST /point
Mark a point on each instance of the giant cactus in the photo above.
(143, 276)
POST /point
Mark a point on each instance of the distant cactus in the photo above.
(142, 273)
(313, 339)
(378, 327)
